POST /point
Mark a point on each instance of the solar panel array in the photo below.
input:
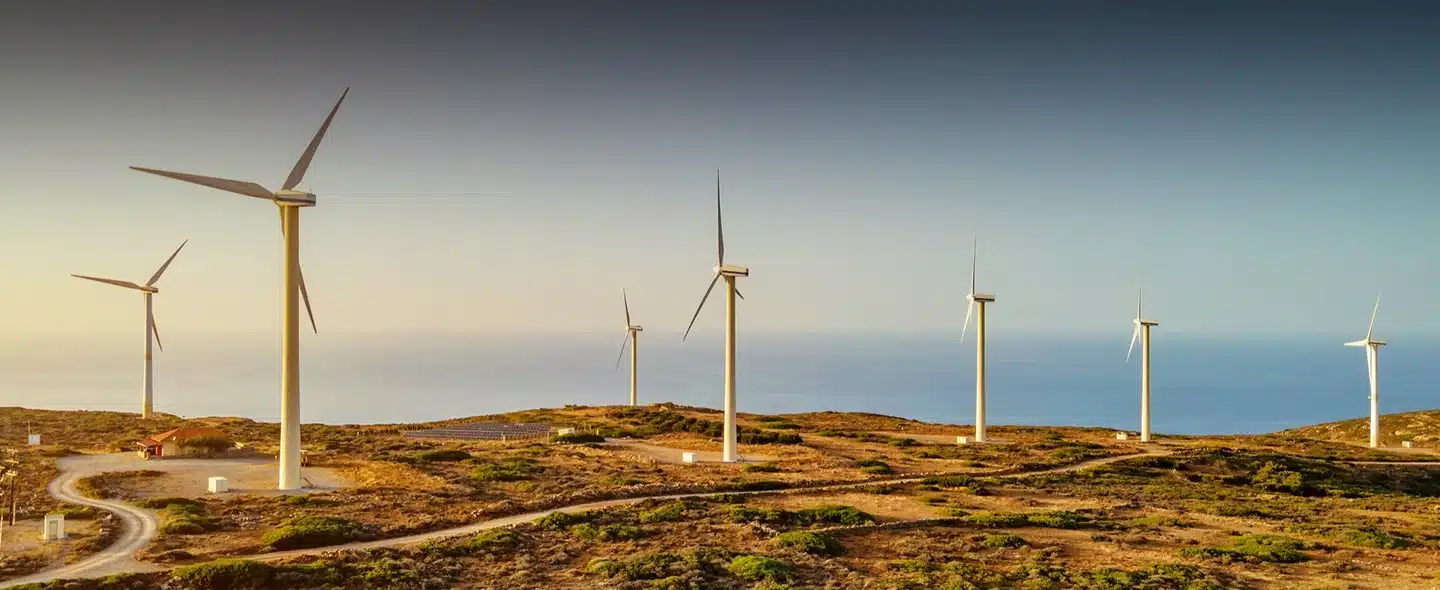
(485, 431)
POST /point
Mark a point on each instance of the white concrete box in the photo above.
(962, 440)
(687, 457)
(1122, 436)
(564, 431)
(54, 527)
(219, 485)
(1407, 444)
(34, 439)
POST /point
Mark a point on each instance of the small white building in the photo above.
(962, 440)
(219, 485)
(34, 439)
(54, 527)
(687, 457)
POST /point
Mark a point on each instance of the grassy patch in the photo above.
(812, 543)
(757, 568)
(1256, 549)
(313, 531)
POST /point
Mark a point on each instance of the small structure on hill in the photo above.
(54, 529)
(185, 441)
(485, 431)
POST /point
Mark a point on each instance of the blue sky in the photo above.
(502, 167)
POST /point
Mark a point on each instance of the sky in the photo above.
(1260, 168)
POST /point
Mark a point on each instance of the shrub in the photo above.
(210, 444)
(490, 472)
(1274, 477)
(493, 540)
(1255, 549)
(1060, 519)
(950, 481)
(767, 467)
(1004, 541)
(609, 532)
(812, 543)
(834, 514)
(226, 574)
(669, 511)
(445, 456)
(1374, 537)
(755, 568)
(874, 467)
(313, 531)
(559, 521)
(727, 498)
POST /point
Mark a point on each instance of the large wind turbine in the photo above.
(730, 272)
(1372, 359)
(1142, 332)
(147, 400)
(289, 202)
(632, 337)
(977, 299)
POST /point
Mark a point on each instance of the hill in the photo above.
(1422, 427)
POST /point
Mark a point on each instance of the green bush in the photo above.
(1256, 549)
(950, 481)
(755, 568)
(313, 531)
(209, 444)
(494, 540)
(834, 514)
(445, 456)
(559, 521)
(226, 574)
(667, 512)
(874, 467)
(490, 472)
(812, 543)
(1009, 520)
(1374, 537)
(727, 498)
(608, 533)
(1003, 541)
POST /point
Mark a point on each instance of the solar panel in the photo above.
(485, 431)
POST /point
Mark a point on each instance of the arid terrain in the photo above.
(823, 500)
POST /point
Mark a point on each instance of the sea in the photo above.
(1200, 385)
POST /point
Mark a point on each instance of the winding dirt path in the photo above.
(140, 525)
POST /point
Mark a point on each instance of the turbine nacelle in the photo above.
(732, 270)
(981, 297)
(636, 328)
(1366, 342)
(1145, 322)
(294, 198)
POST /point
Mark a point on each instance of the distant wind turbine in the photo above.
(977, 300)
(1142, 332)
(147, 400)
(289, 202)
(730, 272)
(1372, 360)
(632, 337)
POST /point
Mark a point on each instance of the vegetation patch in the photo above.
(576, 438)
(767, 467)
(692, 569)
(1003, 541)
(1256, 549)
(874, 467)
(826, 514)
(313, 531)
(1060, 519)
(491, 541)
(1377, 538)
(608, 532)
(758, 568)
(104, 486)
(812, 543)
(648, 422)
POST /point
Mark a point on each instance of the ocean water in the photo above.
(1199, 385)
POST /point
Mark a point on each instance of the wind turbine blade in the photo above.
(1140, 305)
(738, 293)
(117, 283)
(239, 187)
(626, 299)
(974, 259)
(303, 164)
(156, 330)
(305, 294)
(156, 276)
(1135, 335)
(719, 225)
(622, 349)
(701, 306)
(1372, 317)
(969, 309)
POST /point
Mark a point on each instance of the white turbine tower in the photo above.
(730, 272)
(147, 386)
(977, 300)
(1142, 333)
(289, 202)
(1372, 359)
(632, 337)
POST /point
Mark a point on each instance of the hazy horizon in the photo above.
(1274, 157)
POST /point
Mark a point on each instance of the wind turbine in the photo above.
(289, 202)
(730, 272)
(1372, 359)
(632, 336)
(1142, 332)
(981, 299)
(148, 289)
